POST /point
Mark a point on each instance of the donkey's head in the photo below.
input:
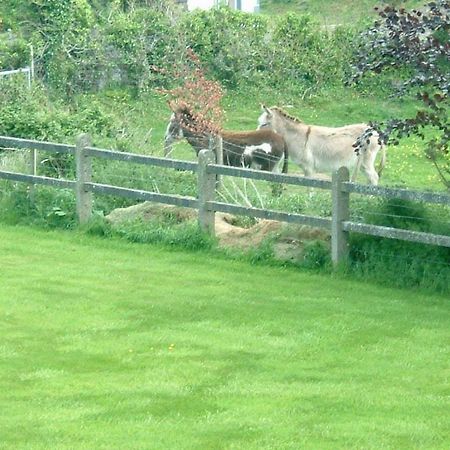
(276, 119)
(179, 121)
(266, 119)
(174, 132)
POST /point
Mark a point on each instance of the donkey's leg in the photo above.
(371, 175)
(357, 168)
(368, 166)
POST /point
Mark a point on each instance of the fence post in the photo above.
(216, 146)
(33, 161)
(206, 191)
(84, 175)
(340, 213)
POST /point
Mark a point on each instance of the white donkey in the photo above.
(319, 149)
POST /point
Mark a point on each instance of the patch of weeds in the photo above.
(242, 221)
(186, 235)
(264, 252)
(39, 205)
(98, 226)
(401, 263)
(316, 255)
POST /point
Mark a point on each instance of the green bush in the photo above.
(30, 114)
(291, 51)
(140, 41)
(316, 255)
(14, 53)
(306, 56)
(78, 51)
(230, 43)
(43, 206)
(62, 39)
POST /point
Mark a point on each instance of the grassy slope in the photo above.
(111, 345)
(332, 12)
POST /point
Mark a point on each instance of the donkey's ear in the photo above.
(265, 109)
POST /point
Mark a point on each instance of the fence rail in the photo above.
(208, 171)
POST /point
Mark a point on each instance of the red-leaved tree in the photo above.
(196, 94)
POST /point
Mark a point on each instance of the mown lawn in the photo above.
(106, 344)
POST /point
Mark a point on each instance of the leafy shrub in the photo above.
(245, 49)
(79, 52)
(30, 114)
(229, 42)
(138, 41)
(62, 40)
(306, 56)
(14, 53)
(43, 206)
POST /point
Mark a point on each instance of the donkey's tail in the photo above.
(382, 160)
(356, 169)
(286, 159)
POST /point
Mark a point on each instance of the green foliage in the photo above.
(402, 263)
(141, 45)
(63, 39)
(246, 50)
(140, 40)
(316, 255)
(43, 206)
(229, 42)
(298, 43)
(14, 53)
(30, 114)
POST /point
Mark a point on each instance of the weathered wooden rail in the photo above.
(208, 172)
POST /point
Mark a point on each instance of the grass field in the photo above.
(333, 12)
(106, 344)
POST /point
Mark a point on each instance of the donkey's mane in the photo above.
(286, 115)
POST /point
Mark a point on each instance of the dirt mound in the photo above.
(288, 240)
(148, 211)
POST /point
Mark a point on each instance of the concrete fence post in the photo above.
(33, 161)
(84, 175)
(340, 213)
(216, 146)
(206, 191)
(33, 170)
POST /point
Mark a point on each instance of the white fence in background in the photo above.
(26, 70)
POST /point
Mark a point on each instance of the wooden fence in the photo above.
(207, 172)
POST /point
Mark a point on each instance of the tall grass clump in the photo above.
(42, 206)
(401, 263)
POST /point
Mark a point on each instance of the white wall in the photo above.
(202, 4)
(246, 5)
(249, 5)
